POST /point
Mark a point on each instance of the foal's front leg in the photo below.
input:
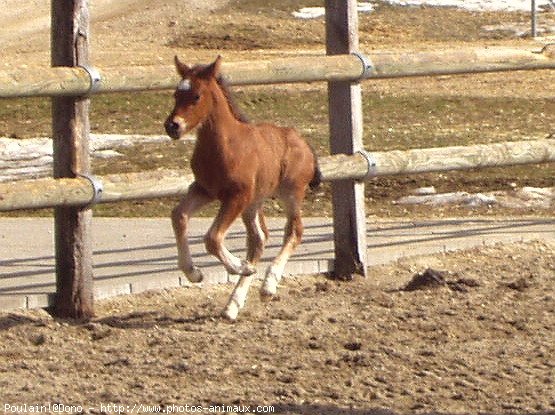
(195, 198)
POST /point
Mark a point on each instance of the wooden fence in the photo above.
(80, 191)
(72, 79)
(77, 81)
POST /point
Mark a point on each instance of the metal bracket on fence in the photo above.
(97, 187)
(366, 65)
(372, 164)
(95, 78)
(548, 50)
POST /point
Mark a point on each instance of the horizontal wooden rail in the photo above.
(458, 61)
(48, 192)
(43, 193)
(426, 160)
(77, 81)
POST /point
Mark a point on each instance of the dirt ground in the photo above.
(119, 29)
(476, 336)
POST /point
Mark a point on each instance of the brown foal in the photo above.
(240, 164)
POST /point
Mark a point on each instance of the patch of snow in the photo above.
(454, 198)
(316, 12)
(32, 157)
(429, 190)
(475, 5)
(106, 154)
(471, 5)
(517, 198)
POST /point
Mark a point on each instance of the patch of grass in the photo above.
(140, 113)
(392, 24)
(24, 118)
(391, 122)
(131, 113)
(437, 121)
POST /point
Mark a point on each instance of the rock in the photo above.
(521, 284)
(38, 339)
(430, 278)
(353, 346)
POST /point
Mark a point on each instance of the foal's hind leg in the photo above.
(291, 239)
(195, 198)
(257, 234)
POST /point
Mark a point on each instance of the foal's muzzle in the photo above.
(174, 128)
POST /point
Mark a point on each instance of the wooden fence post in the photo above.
(70, 128)
(345, 120)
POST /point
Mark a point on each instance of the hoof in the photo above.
(269, 287)
(231, 312)
(247, 269)
(194, 274)
(244, 270)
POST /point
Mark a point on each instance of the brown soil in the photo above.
(120, 30)
(482, 340)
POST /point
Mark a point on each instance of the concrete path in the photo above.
(134, 255)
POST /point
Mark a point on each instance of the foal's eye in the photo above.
(196, 97)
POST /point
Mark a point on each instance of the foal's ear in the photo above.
(212, 70)
(182, 69)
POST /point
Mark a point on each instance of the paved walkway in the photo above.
(134, 255)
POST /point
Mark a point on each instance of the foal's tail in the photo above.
(317, 178)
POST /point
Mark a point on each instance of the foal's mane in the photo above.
(235, 110)
(224, 87)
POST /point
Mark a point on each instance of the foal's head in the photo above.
(193, 100)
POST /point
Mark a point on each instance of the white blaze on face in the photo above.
(184, 85)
